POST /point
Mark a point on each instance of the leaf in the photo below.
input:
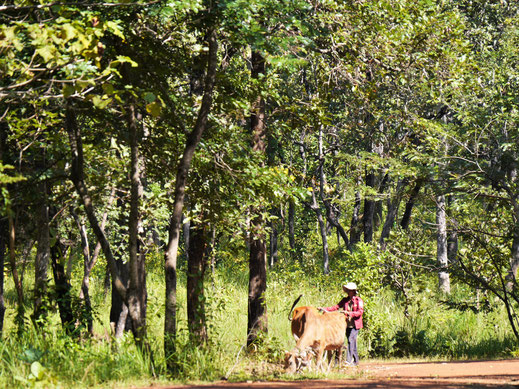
(101, 103)
(68, 90)
(37, 370)
(123, 59)
(154, 108)
(114, 28)
(149, 97)
(46, 52)
(31, 355)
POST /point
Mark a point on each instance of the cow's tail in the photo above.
(293, 305)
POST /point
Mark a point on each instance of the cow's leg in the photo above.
(320, 353)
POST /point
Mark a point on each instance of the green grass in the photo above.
(49, 358)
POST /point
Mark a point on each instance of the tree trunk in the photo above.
(273, 241)
(392, 211)
(355, 229)
(369, 209)
(406, 218)
(291, 226)
(62, 284)
(186, 232)
(12, 262)
(3, 249)
(137, 294)
(119, 319)
(452, 241)
(379, 204)
(195, 283)
(170, 256)
(41, 264)
(514, 252)
(257, 309)
(84, 293)
(322, 229)
(441, 253)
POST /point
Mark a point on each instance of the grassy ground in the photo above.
(51, 359)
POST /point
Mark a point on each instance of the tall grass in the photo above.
(49, 358)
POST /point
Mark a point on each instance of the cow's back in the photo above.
(334, 326)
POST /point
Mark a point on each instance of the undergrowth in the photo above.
(432, 330)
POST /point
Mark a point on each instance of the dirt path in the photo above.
(447, 375)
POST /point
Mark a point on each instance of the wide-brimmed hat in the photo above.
(349, 286)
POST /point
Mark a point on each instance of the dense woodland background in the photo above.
(174, 174)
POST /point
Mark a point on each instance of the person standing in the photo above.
(353, 308)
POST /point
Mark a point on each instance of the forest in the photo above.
(174, 173)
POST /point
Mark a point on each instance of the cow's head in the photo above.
(295, 360)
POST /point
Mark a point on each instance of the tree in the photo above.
(182, 171)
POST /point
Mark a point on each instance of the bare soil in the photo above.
(447, 375)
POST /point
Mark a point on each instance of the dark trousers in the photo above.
(352, 356)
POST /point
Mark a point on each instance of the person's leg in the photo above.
(352, 357)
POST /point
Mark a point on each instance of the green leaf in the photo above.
(154, 108)
(46, 52)
(149, 97)
(100, 103)
(37, 370)
(68, 90)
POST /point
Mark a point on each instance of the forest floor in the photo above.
(404, 375)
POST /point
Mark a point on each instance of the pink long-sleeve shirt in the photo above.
(356, 311)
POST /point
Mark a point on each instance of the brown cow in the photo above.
(314, 333)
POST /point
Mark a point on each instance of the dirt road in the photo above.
(447, 375)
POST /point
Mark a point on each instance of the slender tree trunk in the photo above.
(514, 252)
(379, 204)
(12, 262)
(170, 256)
(84, 293)
(392, 211)
(291, 226)
(443, 262)
(452, 241)
(41, 264)
(406, 218)
(137, 294)
(186, 233)
(273, 241)
(355, 229)
(3, 249)
(119, 319)
(369, 209)
(195, 283)
(322, 229)
(257, 309)
(62, 285)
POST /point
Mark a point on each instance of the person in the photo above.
(353, 308)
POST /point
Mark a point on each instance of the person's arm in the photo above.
(333, 307)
